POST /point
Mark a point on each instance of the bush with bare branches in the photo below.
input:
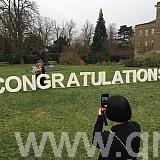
(70, 56)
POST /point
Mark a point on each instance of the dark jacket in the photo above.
(43, 71)
(118, 144)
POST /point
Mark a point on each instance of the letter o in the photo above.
(139, 74)
(7, 84)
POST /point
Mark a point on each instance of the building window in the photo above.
(152, 43)
(140, 45)
(146, 43)
(153, 31)
(146, 32)
(140, 33)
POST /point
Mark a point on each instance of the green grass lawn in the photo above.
(71, 110)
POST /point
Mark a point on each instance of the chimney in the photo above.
(158, 10)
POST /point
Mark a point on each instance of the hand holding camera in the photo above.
(101, 111)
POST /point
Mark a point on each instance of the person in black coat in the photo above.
(40, 70)
(43, 71)
(122, 142)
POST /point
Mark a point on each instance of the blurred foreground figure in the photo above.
(122, 142)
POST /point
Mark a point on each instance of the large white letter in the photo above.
(153, 74)
(19, 84)
(142, 75)
(85, 79)
(117, 78)
(47, 82)
(26, 81)
(73, 80)
(104, 80)
(2, 88)
(159, 74)
(100, 79)
(127, 72)
(134, 76)
(59, 81)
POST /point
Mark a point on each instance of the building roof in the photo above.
(154, 21)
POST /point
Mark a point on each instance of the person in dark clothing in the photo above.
(43, 71)
(40, 70)
(122, 142)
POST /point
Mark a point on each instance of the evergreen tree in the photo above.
(125, 35)
(99, 45)
(125, 39)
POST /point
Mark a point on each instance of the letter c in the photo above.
(2, 88)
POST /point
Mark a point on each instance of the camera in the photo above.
(104, 98)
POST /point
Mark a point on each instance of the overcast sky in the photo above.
(130, 12)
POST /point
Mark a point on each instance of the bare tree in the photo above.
(3, 35)
(45, 30)
(62, 31)
(87, 33)
(57, 30)
(70, 30)
(112, 36)
(17, 17)
(66, 31)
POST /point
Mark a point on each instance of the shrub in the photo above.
(130, 63)
(98, 57)
(144, 60)
(69, 56)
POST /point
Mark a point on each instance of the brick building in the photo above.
(147, 35)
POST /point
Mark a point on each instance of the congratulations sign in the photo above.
(58, 80)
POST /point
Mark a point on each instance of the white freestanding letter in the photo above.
(2, 88)
(73, 80)
(19, 84)
(117, 78)
(47, 82)
(59, 81)
(26, 81)
(85, 74)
